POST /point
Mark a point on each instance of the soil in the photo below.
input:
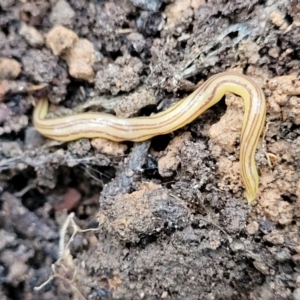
(161, 219)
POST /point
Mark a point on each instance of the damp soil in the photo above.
(160, 219)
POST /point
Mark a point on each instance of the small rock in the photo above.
(277, 18)
(18, 271)
(252, 227)
(78, 53)
(80, 59)
(60, 39)
(283, 255)
(274, 52)
(105, 146)
(152, 5)
(31, 35)
(33, 138)
(137, 41)
(62, 13)
(296, 259)
(5, 112)
(129, 173)
(175, 10)
(274, 238)
(261, 267)
(296, 294)
(237, 246)
(9, 68)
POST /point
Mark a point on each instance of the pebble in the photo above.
(62, 13)
(33, 37)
